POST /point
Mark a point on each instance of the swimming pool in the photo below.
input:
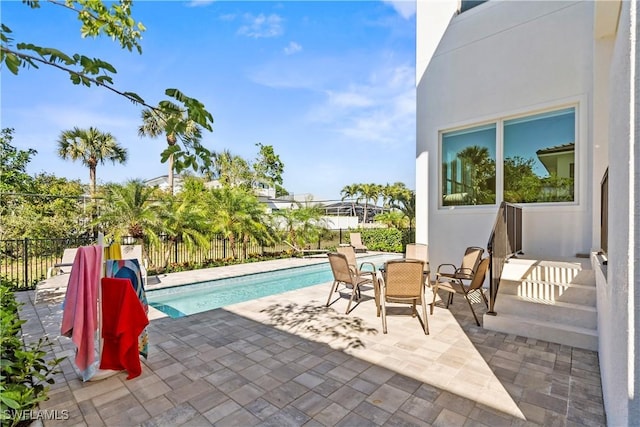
(183, 300)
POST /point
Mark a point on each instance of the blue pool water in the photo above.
(183, 300)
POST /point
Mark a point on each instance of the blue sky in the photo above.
(330, 85)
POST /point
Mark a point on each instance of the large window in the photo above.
(469, 166)
(538, 160)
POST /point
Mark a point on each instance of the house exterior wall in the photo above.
(618, 297)
(494, 61)
(504, 58)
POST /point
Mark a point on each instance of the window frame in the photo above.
(499, 122)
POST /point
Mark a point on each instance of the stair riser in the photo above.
(541, 332)
(573, 316)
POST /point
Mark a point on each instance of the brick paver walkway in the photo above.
(287, 360)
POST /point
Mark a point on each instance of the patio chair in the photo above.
(356, 242)
(350, 253)
(57, 275)
(468, 267)
(455, 286)
(344, 274)
(420, 251)
(65, 264)
(404, 283)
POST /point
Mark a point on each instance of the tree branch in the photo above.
(29, 58)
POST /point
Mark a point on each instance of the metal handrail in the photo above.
(505, 241)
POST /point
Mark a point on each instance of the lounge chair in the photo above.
(404, 283)
(306, 252)
(356, 242)
(57, 275)
(344, 274)
(455, 286)
(65, 264)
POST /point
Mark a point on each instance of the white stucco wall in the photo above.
(497, 60)
(618, 298)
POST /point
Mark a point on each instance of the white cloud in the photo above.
(380, 110)
(261, 26)
(292, 48)
(197, 3)
(405, 8)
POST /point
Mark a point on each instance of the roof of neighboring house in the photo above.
(557, 149)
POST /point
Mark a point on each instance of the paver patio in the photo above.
(287, 360)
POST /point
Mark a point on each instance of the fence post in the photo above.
(175, 251)
(25, 261)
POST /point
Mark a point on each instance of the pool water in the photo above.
(183, 300)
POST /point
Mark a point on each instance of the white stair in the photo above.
(549, 300)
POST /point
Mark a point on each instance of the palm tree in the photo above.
(237, 214)
(302, 224)
(401, 198)
(231, 170)
(91, 147)
(369, 192)
(349, 192)
(477, 162)
(185, 219)
(130, 210)
(174, 123)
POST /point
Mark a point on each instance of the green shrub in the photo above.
(383, 239)
(24, 372)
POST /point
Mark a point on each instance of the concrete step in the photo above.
(548, 271)
(559, 312)
(552, 300)
(543, 330)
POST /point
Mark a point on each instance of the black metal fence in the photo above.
(26, 261)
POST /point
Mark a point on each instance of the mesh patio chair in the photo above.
(455, 286)
(420, 252)
(350, 253)
(404, 283)
(345, 275)
(467, 269)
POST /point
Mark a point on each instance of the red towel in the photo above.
(123, 319)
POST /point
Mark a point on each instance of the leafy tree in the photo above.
(114, 20)
(521, 183)
(269, 168)
(173, 122)
(52, 208)
(13, 164)
(130, 210)
(91, 147)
